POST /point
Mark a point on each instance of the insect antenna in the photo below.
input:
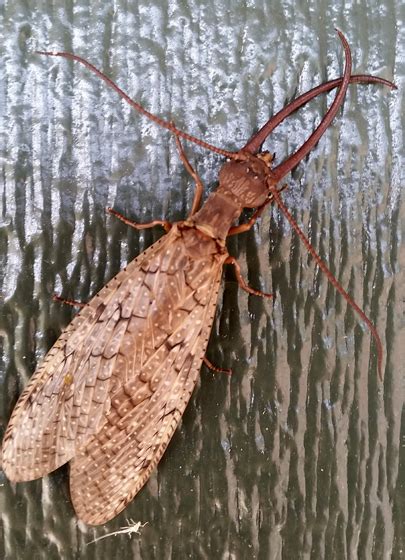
(291, 162)
(335, 283)
(161, 122)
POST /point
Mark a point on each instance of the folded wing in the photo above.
(113, 466)
(124, 349)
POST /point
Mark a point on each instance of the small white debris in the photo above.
(132, 527)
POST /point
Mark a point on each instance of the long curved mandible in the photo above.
(288, 164)
(255, 142)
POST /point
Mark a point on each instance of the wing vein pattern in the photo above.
(113, 388)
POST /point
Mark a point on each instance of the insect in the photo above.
(130, 529)
(112, 390)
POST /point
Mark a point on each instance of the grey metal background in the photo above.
(300, 454)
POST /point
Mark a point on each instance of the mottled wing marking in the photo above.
(161, 366)
(67, 398)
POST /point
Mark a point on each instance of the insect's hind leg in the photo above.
(199, 188)
(164, 223)
(216, 368)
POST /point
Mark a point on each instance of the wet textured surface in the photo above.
(300, 452)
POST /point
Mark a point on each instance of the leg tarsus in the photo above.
(241, 281)
(164, 223)
(215, 368)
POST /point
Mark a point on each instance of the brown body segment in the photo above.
(111, 392)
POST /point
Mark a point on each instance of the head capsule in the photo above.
(246, 179)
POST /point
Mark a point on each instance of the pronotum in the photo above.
(111, 391)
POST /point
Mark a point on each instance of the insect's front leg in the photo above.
(164, 223)
(199, 188)
(241, 228)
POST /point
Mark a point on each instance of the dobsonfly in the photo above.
(112, 390)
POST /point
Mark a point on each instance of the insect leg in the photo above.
(242, 283)
(216, 368)
(71, 302)
(199, 189)
(241, 228)
(164, 223)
